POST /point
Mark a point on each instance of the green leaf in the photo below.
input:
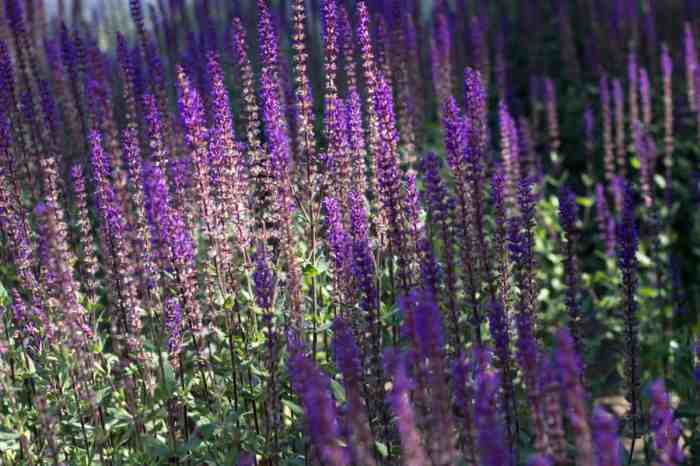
(660, 181)
(338, 391)
(4, 297)
(381, 448)
(310, 271)
(228, 303)
(5, 436)
(295, 408)
(584, 201)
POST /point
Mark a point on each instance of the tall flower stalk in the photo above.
(626, 239)
(567, 219)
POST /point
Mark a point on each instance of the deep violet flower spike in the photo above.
(336, 236)
(567, 218)
(455, 133)
(435, 194)
(136, 14)
(498, 327)
(493, 449)
(269, 49)
(605, 437)
(312, 387)
(246, 459)
(430, 270)
(539, 460)
(476, 111)
(362, 262)
(154, 131)
(48, 106)
(20, 316)
(191, 110)
(389, 178)
(626, 240)
(346, 353)
(7, 79)
(428, 324)
(156, 204)
(667, 431)
(429, 341)
(14, 15)
(567, 209)
(262, 279)
(521, 252)
(275, 125)
(104, 193)
(349, 362)
(570, 374)
(411, 444)
(173, 327)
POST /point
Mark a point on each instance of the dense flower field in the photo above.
(336, 232)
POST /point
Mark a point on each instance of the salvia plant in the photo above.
(334, 233)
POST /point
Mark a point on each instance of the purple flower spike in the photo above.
(7, 78)
(262, 279)
(428, 328)
(570, 373)
(605, 437)
(422, 313)
(430, 270)
(521, 251)
(349, 362)
(228, 178)
(340, 246)
(347, 354)
(567, 219)
(154, 130)
(667, 431)
(15, 16)
(626, 238)
(391, 194)
(492, 446)
(498, 326)
(356, 136)
(312, 387)
(435, 195)
(539, 460)
(246, 459)
(362, 262)
(476, 111)
(137, 15)
(567, 209)
(411, 444)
